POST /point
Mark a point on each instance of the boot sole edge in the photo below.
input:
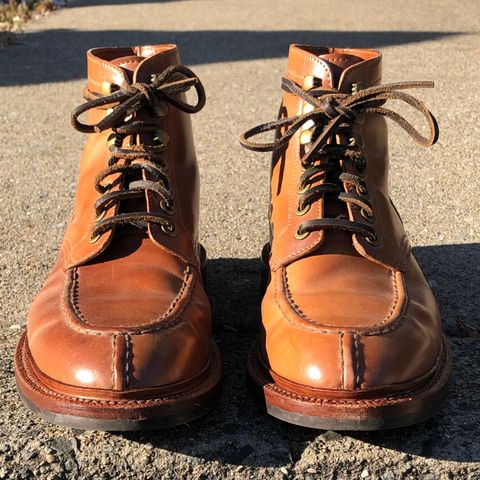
(376, 413)
(120, 415)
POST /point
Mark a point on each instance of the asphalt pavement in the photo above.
(238, 49)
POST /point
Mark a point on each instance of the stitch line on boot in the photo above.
(128, 356)
(299, 312)
(342, 371)
(114, 356)
(357, 360)
(67, 296)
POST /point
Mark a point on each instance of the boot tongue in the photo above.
(337, 63)
(140, 68)
(128, 64)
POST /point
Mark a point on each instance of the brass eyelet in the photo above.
(301, 236)
(356, 141)
(302, 189)
(369, 217)
(114, 140)
(306, 137)
(169, 229)
(100, 215)
(372, 239)
(170, 209)
(356, 87)
(303, 211)
(161, 137)
(308, 107)
(362, 190)
(106, 88)
(94, 239)
(309, 82)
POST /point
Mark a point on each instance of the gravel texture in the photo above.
(239, 49)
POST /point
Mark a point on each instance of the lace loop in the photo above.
(173, 80)
(338, 107)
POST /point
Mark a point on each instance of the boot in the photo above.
(351, 334)
(119, 336)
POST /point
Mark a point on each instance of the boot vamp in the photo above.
(134, 284)
(342, 291)
(136, 317)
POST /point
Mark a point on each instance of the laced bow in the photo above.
(126, 108)
(334, 113)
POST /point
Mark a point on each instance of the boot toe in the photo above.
(76, 340)
(310, 348)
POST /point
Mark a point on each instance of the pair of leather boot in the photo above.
(119, 338)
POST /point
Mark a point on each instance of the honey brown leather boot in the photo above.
(119, 336)
(351, 336)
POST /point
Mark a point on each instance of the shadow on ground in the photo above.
(255, 439)
(59, 55)
(101, 3)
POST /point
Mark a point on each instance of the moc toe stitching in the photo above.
(167, 319)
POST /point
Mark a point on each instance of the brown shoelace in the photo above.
(135, 159)
(334, 113)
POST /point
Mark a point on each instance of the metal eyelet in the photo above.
(308, 107)
(100, 215)
(170, 209)
(169, 229)
(306, 137)
(161, 137)
(303, 211)
(356, 87)
(360, 119)
(114, 140)
(309, 82)
(302, 189)
(372, 239)
(94, 239)
(163, 165)
(362, 190)
(106, 88)
(356, 141)
(369, 217)
(301, 236)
